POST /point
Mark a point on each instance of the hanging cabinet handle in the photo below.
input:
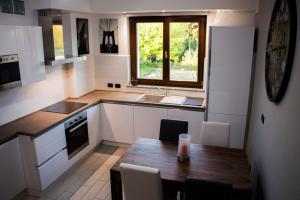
(166, 55)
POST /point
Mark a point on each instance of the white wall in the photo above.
(115, 68)
(30, 18)
(274, 146)
(18, 102)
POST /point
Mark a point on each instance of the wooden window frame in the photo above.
(166, 69)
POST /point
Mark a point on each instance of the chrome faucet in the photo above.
(165, 91)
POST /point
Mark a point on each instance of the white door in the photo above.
(147, 121)
(31, 54)
(117, 122)
(12, 180)
(194, 119)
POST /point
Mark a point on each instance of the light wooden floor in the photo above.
(89, 180)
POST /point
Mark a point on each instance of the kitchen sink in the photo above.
(150, 98)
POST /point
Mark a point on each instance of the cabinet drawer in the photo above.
(53, 168)
(50, 143)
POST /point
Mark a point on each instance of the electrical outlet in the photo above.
(262, 118)
(117, 85)
(110, 85)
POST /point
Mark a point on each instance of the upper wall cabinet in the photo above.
(31, 54)
(26, 42)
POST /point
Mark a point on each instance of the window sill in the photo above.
(166, 87)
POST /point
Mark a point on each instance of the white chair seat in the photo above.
(215, 134)
(141, 183)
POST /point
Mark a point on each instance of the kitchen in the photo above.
(120, 116)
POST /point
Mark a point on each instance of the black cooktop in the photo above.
(64, 107)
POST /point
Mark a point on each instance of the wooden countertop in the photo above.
(39, 122)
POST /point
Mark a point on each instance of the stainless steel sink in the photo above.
(150, 98)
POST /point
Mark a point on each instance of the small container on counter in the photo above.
(183, 153)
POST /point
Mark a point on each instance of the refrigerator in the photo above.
(229, 79)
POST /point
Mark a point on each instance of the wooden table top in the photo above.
(206, 162)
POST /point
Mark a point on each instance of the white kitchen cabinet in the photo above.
(31, 54)
(12, 180)
(194, 119)
(93, 116)
(50, 143)
(117, 122)
(53, 169)
(8, 40)
(44, 158)
(147, 121)
(229, 79)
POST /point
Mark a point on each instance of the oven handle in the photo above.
(73, 129)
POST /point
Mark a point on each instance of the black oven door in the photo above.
(77, 137)
(9, 75)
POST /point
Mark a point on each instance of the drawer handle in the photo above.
(79, 125)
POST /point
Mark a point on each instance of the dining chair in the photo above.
(196, 189)
(141, 182)
(171, 129)
(215, 134)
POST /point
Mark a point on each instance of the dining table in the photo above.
(218, 164)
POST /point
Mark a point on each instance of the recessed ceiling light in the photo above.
(163, 11)
(124, 12)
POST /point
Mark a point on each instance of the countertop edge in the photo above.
(95, 102)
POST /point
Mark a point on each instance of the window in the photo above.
(168, 51)
(58, 37)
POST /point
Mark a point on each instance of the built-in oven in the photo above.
(9, 72)
(77, 137)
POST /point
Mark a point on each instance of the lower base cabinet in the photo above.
(194, 119)
(12, 180)
(53, 169)
(125, 123)
(117, 123)
(147, 121)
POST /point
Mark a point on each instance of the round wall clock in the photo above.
(280, 48)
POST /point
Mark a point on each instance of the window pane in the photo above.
(58, 38)
(184, 51)
(150, 50)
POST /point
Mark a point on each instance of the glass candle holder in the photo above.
(183, 153)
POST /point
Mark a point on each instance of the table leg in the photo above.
(116, 185)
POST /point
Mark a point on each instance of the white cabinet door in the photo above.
(231, 51)
(194, 118)
(147, 121)
(12, 179)
(117, 122)
(237, 127)
(8, 44)
(93, 115)
(50, 143)
(31, 54)
(53, 168)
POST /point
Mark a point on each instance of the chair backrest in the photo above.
(196, 189)
(215, 134)
(171, 129)
(141, 182)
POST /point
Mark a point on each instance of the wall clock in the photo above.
(280, 48)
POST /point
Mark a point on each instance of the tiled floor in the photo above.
(89, 180)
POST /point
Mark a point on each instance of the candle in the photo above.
(184, 147)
